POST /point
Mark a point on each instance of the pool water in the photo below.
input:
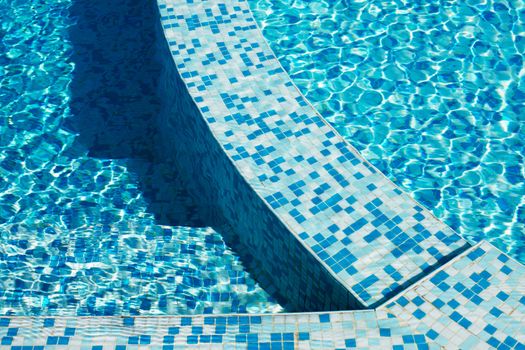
(85, 226)
(432, 93)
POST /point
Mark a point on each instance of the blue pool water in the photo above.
(89, 220)
(431, 93)
(85, 225)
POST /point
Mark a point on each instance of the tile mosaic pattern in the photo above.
(346, 330)
(278, 261)
(477, 301)
(368, 234)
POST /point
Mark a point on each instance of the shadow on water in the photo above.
(115, 100)
(115, 104)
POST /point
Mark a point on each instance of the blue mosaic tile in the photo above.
(370, 236)
(475, 301)
(360, 329)
(481, 306)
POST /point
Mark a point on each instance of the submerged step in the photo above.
(476, 301)
(323, 226)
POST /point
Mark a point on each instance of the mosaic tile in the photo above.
(292, 174)
(371, 237)
(475, 301)
(360, 329)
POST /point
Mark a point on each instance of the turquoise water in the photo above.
(85, 226)
(432, 93)
(433, 96)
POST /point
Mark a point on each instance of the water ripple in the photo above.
(432, 94)
(77, 235)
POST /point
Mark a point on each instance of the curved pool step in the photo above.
(323, 227)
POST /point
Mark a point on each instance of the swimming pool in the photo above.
(474, 300)
(433, 95)
(86, 210)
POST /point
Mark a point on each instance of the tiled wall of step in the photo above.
(292, 191)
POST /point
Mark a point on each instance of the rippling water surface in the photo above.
(432, 93)
(80, 192)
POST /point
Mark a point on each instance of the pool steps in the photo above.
(321, 228)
